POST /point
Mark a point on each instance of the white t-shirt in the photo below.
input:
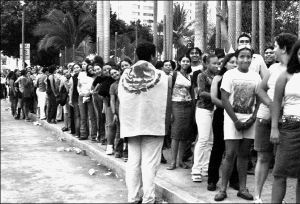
(242, 88)
(258, 64)
(195, 68)
(275, 71)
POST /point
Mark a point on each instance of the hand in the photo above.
(247, 124)
(274, 137)
(239, 125)
(172, 118)
(115, 118)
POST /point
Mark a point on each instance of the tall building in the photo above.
(133, 11)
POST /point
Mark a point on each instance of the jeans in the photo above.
(204, 142)
(87, 113)
(144, 155)
(13, 104)
(75, 118)
(109, 126)
(51, 107)
(59, 114)
(98, 106)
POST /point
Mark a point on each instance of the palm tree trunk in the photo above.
(155, 24)
(199, 25)
(99, 21)
(273, 20)
(231, 22)
(254, 25)
(261, 10)
(205, 24)
(299, 20)
(106, 29)
(238, 15)
(218, 27)
(165, 38)
(170, 23)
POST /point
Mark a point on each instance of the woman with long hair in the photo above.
(182, 110)
(287, 135)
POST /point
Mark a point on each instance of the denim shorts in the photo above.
(262, 136)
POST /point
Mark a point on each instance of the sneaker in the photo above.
(245, 194)
(257, 200)
(221, 195)
(211, 187)
(64, 129)
(196, 178)
(109, 150)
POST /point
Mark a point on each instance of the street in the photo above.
(36, 168)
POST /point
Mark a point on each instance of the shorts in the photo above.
(262, 136)
(231, 133)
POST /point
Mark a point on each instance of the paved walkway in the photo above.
(34, 170)
(173, 186)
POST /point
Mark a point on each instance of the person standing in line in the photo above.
(73, 101)
(269, 56)
(204, 116)
(41, 92)
(52, 93)
(182, 111)
(115, 73)
(143, 113)
(238, 89)
(283, 47)
(197, 67)
(86, 108)
(287, 134)
(13, 97)
(65, 85)
(218, 148)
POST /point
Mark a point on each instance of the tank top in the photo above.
(292, 96)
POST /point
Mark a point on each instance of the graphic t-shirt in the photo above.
(181, 89)
(242, 88)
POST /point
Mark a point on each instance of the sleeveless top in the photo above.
(292, 96)
(181, 89)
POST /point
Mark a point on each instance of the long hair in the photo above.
(189, 70)
(225, 61)
(293, 65)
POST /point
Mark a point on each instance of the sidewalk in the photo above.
(173, 186)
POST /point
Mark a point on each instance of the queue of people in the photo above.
(210, 108)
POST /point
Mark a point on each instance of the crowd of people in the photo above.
(210, 108)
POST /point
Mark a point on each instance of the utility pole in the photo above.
(23, 34)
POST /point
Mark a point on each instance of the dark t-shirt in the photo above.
(105, 85)
(204, 83)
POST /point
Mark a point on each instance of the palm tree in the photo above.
(155, 24)
(231, 22)
(238, 15)
(60, 30)
(99, 20)
(106, 30)
(273, 20)
(181, 31)
(254, 24)
(200, 25)
(218, 26)
(261, 10)
(168, 12)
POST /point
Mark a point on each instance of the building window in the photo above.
(147, 14)
(148, 7)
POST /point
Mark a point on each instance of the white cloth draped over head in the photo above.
(143, 92)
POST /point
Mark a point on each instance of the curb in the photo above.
(164, 189)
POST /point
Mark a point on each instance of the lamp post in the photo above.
(23, 33)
